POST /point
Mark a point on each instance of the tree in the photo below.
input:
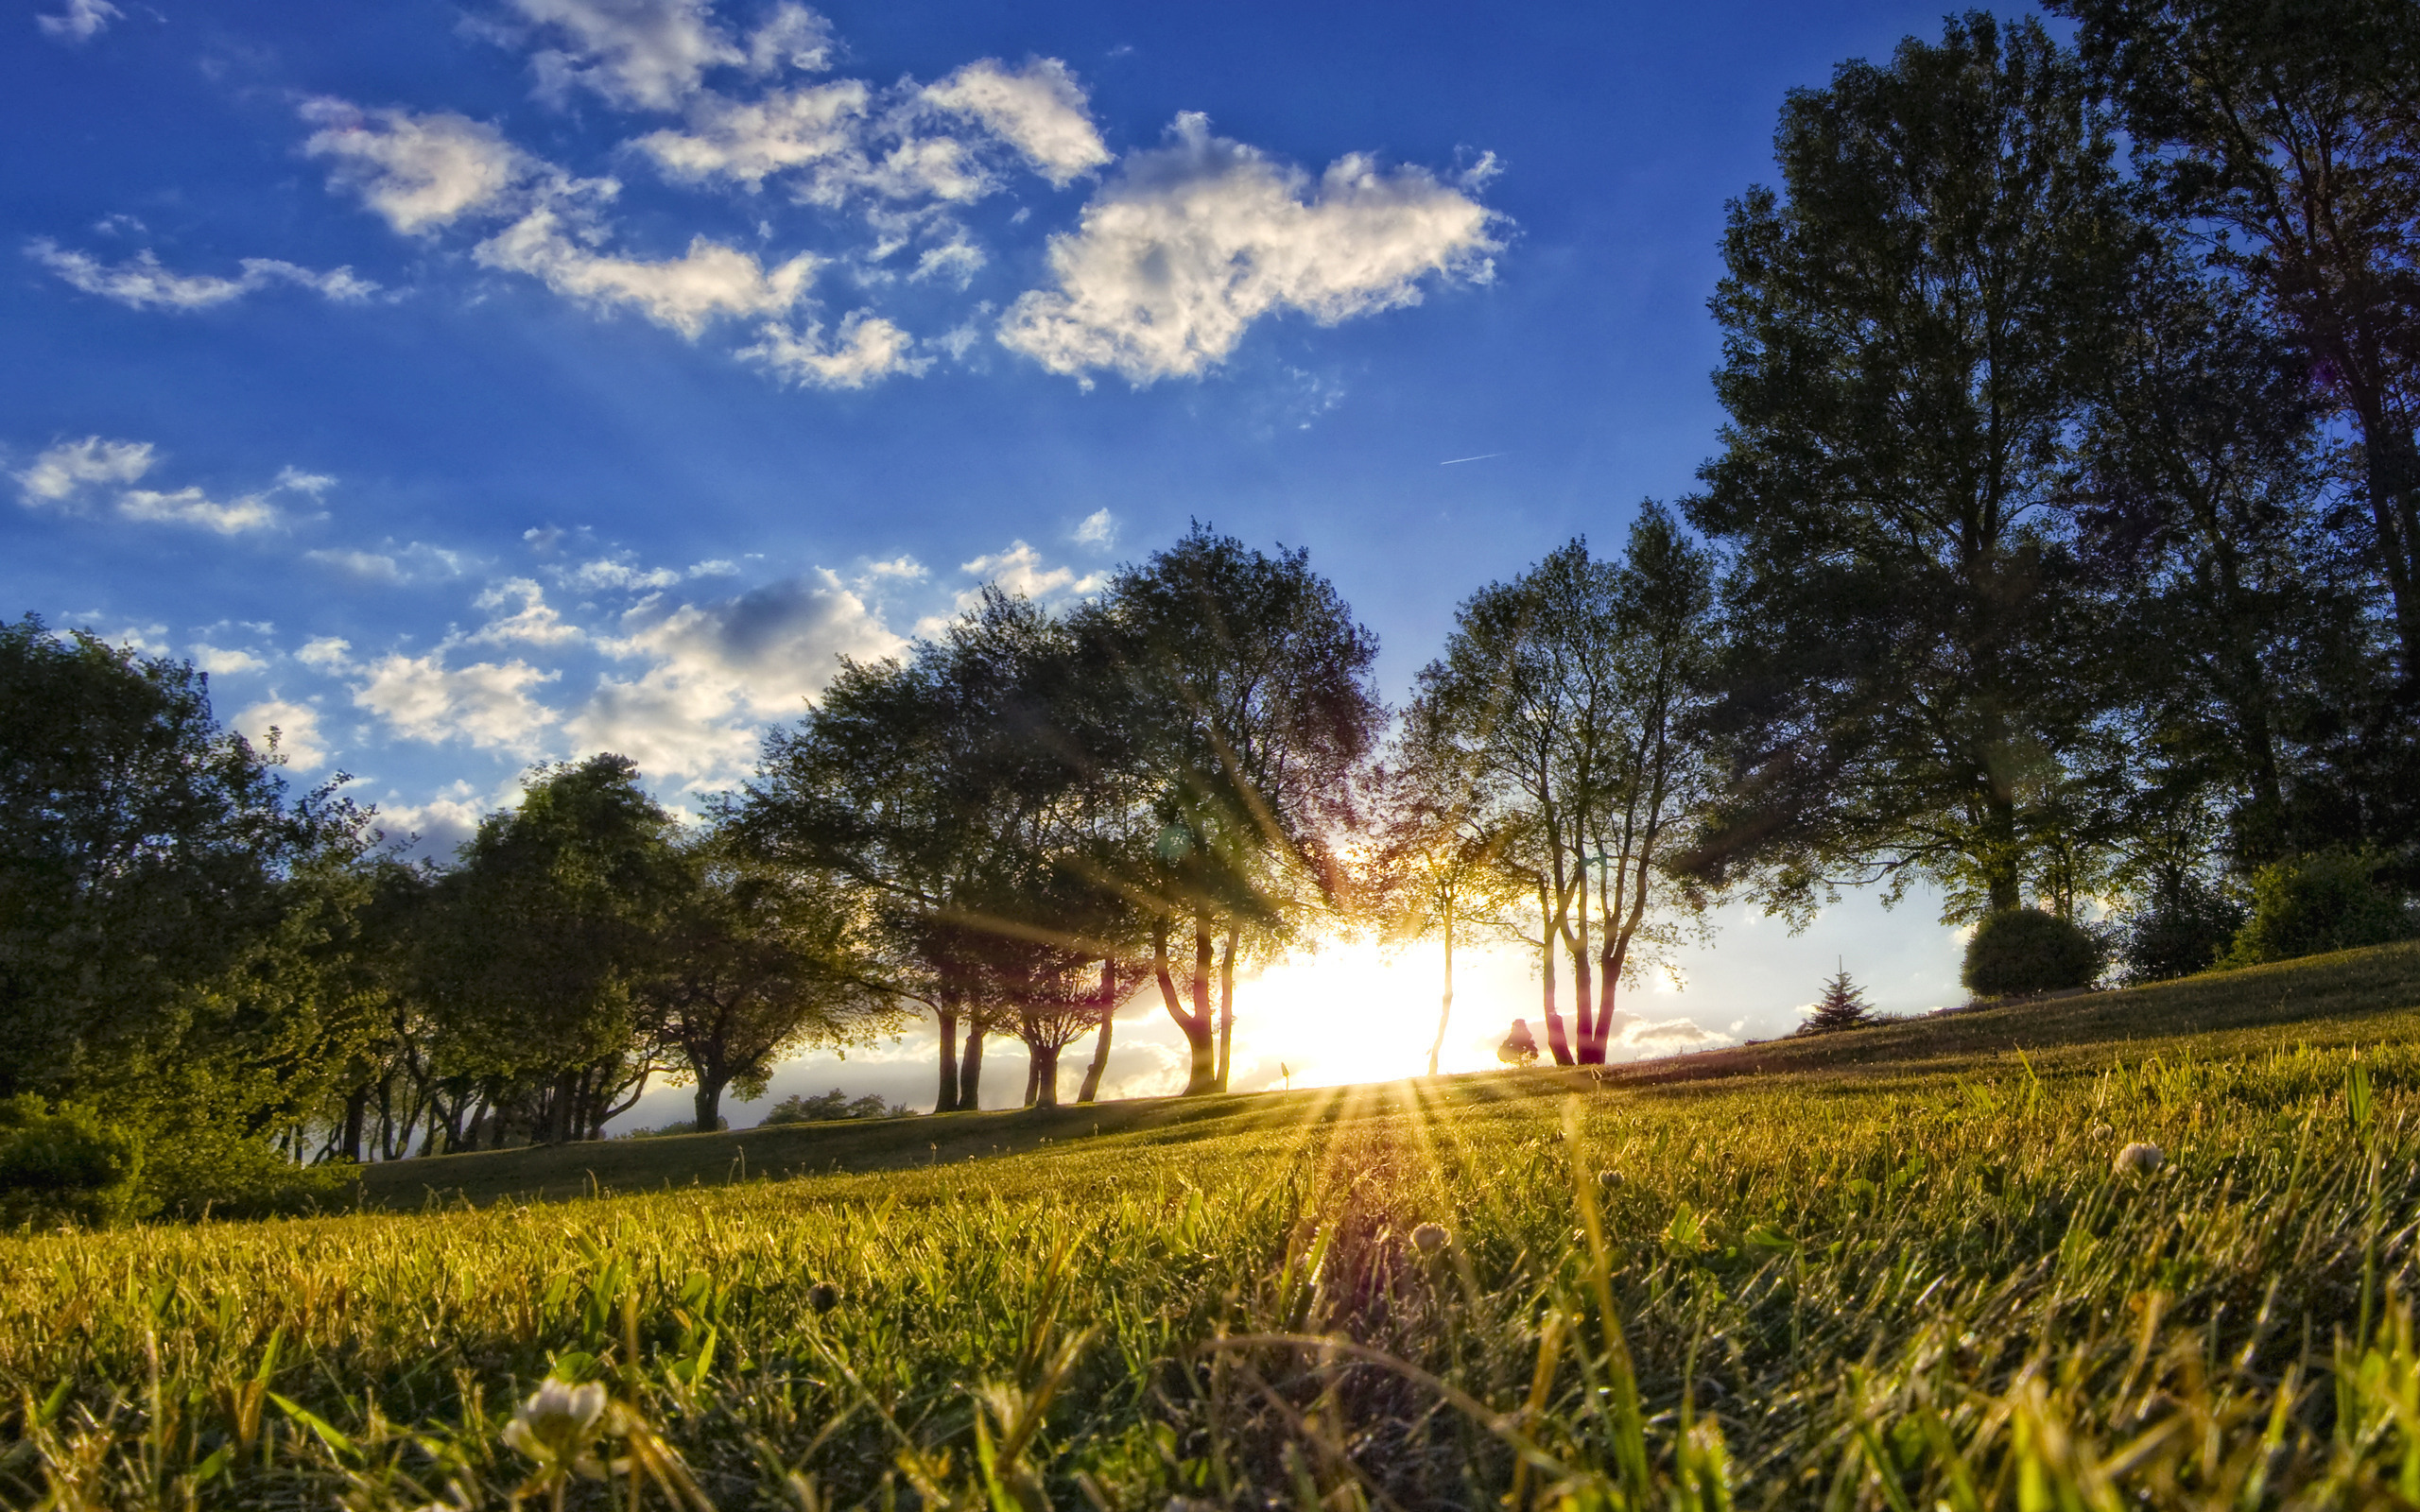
(556, 911)
(1654, 776)
(169, 913)
(1439, 864)
(2291, 131)
(1520, 1048)
(750, 965)
(1241, 687)
(1909, 338)
(1841, 1006)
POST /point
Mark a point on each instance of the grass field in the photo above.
(1894, 1269)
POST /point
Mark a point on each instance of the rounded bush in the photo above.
(2314, 904)
(2025, 950)
(63, 1166)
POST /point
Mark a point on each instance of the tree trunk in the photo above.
(1044, 1081)
(1100, 1035)
(709, 1101)
(1032, 1072)
(970, 1070)
(1226, 1006)
(1445, 1008)
(946, 1100)
(1583, 999)
(1196, 1024)
(357, 1113)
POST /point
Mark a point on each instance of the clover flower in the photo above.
(2138, 1156)
(1429, 1238)
(559, 1427)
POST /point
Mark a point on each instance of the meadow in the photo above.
(1898, 1268)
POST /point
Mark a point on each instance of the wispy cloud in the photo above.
(144, 283)
(82, 21)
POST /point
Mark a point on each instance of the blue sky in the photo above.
(465, 385)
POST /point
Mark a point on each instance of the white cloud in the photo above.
(683, 293)
(1193, 241)
(531, 621)
(441, 825)
(223, 661)
(487, 703)
(141, 282)
(1097, 529)
(791, 37)
(415, 562)
(1019, 570)
(865, 349)
(82, 21)
(747, 142)
(297, 728)
(611, 574)
(646, 54)
(58, 472)
(328, 653)
(421, 172)
(955, 262)
(1039, 110)
(1654, 1036)
(721, 669)
(192, 506)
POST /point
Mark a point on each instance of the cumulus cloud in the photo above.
(58, 472)
(66, 472)
(867, 348)
(487, 703)
(746, 142)
(1643, 1038)
(294, 726)
(530, 620)
(328, 653)
(224, 661)
(791, 37)
(82, 21)
(1039, 110)
(1097, 529)
(1020, 570)
(421, 172)
(721, 668)
(143, 283)
(1195, 240)
(683, 293)
(437, 828)
(655, 53)
(414, 563)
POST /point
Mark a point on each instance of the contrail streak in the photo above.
(1481, 457)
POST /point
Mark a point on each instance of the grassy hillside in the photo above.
(2353, 998)
(1896, 1269)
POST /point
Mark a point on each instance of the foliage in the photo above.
(2182, 928)
(1237, 1310)
(800, 1109)
(1909, 334)
(219, 1173)
(2020, 950)
(62, 1165)
(1843, 1005)
(2331, 902)
(1520, 1047)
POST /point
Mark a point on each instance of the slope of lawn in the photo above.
(2349, 998)
(1898, 1269)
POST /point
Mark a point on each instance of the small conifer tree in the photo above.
(1841, 1006)
(1520, 1048)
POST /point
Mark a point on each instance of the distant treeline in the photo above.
(2062, 550)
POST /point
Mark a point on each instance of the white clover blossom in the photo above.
(2138, 1156)
(559, 1426)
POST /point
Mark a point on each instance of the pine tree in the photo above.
(1841, 1006)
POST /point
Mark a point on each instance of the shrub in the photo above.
(63, 1166)
(836, 1104)
(2177, 932)
(1520, 1047)
(214, 1172)
(2334, 901)
(2024, 949)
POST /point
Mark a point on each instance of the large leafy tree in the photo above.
(1911, 327)
(173, 920)
(1239, 688)
(557, 908)
(2289, 130)
(751, 964)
